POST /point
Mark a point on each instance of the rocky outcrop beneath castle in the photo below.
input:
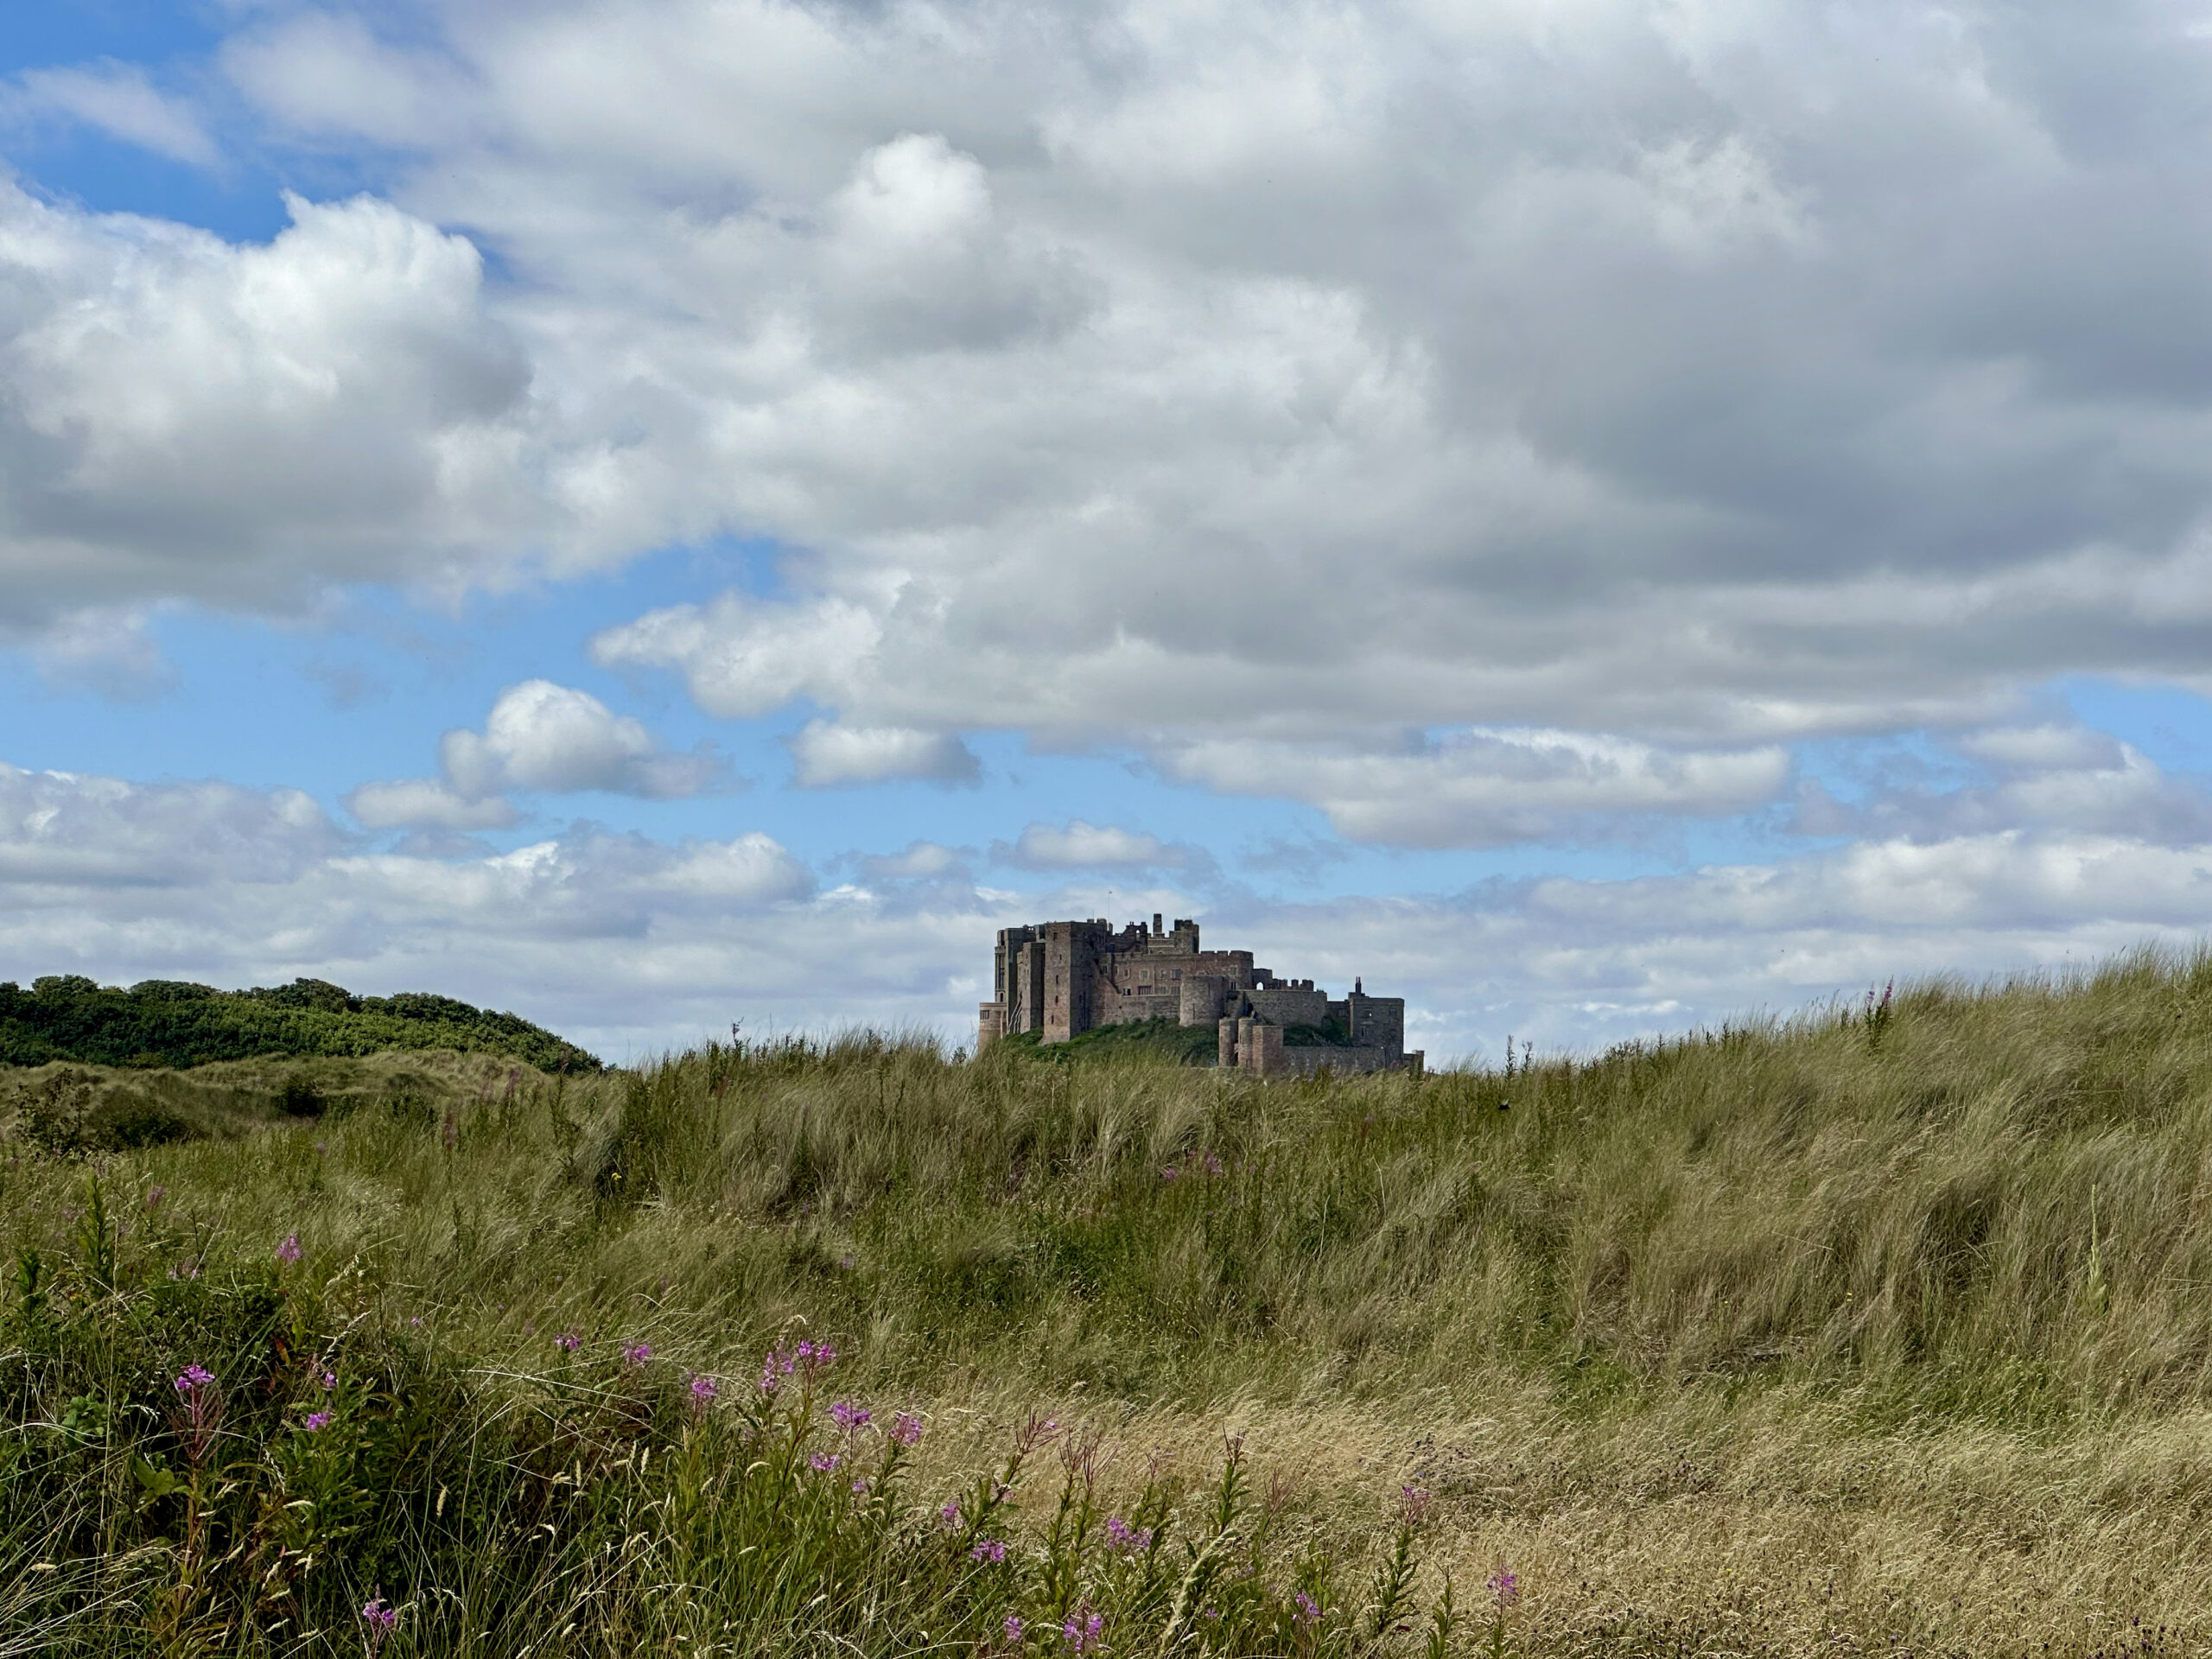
(1061, 979)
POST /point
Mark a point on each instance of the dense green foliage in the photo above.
(1850, 1335)
(162, 1022)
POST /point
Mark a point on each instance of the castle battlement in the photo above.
(1061, 979)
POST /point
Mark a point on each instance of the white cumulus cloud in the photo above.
(538, 736)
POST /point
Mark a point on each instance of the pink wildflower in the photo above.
(847, 1416)
(703, 1390)
(823, 1462)
(1309, 1611)
(568, 1342)
(906, 1428)
(329, 1381)
(1505, 1585)
(988, 1549)
(1012, 1628)
(288, 1251)
(636, 1353)
(203, 1411)
(1082, 1630)
(381, 1620)
(1126, 1538)
(1413, 1503)
(316, 1422)
(950, 1516)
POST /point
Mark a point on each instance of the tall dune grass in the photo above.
(1879, 1328)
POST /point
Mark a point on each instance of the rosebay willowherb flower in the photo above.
(202, 1414)
(568, 1342)
(288, 1251)
(316, 1421)
(703, 1390)
(378, 1620)
(637, 1354)
(1126, 1538)
(906, 1428)
(1084, 1629)
(988, 1549)
(848, 1416)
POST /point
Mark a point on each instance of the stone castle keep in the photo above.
(1061, 979)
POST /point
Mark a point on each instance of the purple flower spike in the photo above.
(906, 1428)
(823, 1462)
(703, 1390)
(1505, 1585)
(316, 1422)
(568, 1342)
(1126, 1538)
(1082, 1630)
(636, 1353)
(847, 1416)
(1309, 1611)
(381, 1619)
(988, 1549)
(191, 1378)
(288, 1251)
(1012, 1628)
(329, 1381)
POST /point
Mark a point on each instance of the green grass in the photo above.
(1839, 1336)
(1161, 1041)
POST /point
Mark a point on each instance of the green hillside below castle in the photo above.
(161, 1023)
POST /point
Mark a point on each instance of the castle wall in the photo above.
(1290, 1005)
(1205, 999)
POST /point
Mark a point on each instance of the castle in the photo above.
(1061, 979)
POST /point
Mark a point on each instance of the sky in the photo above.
(1599, 518)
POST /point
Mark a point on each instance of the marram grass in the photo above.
(1871, 1331)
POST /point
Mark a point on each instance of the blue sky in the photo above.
(655, 514)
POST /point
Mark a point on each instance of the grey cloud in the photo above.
(1079, 845)
(2052, 777)
(1476, 789)
(827, 754)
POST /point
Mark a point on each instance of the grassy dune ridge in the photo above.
(1841, 1335)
